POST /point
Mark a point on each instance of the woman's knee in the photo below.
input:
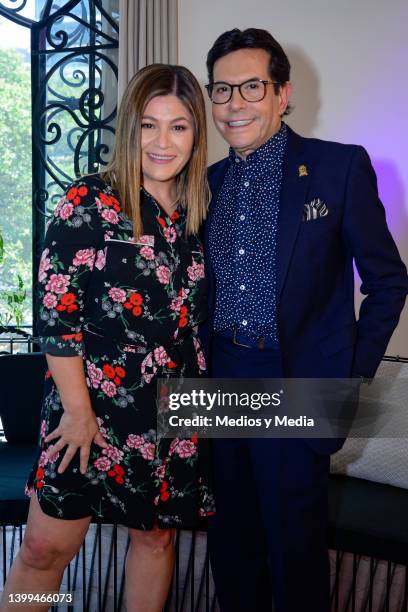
(156, 541)
(39, 553)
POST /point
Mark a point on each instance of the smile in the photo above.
(160, 159)
(239, 123)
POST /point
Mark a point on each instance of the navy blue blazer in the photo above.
(318, 332)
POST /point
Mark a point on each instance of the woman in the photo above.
(122, 291)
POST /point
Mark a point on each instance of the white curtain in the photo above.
(147, 35)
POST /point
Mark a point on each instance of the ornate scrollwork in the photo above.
(74, 70)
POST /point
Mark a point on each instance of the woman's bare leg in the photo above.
(48, 546)
(149, 568)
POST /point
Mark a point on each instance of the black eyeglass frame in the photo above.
(209, 88)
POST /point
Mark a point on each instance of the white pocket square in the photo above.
(314, 210)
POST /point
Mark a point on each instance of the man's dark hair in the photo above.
(251, 38)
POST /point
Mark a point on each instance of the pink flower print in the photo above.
(53, 456)
(161, 356)
(95, 374)
(160, 472)
(58, 283)
(184, 293)
(59, 205)
(111, 216)
(147, 252)
(176, 304)
(66, 211)
(102, 464)
(147, 378)
(84, 257)
(117, 295)
(146, 239)
(134, 441)
(163, 274)
(195, 271)
(109, 388)
(102, 429)
(100, 259)
(45, 264)
(201, 361)
(50, 300)
(113, 453)
(44, 428)
(173, 445)
(147, 451)
(170, 234)
(185, 449)
(200, 355)
(44, 459)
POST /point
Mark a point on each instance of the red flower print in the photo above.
(76, 337)
(61, 308)
(137, 311)
(136, 299)
(39, 484)
(76, 201)
(119, 480)
(105, 199)
(40, 474)
(82, 191)
(164, 496)
(72, 193)
(174, 216)
(183, 321)
(194, 438)
(162, 222)
(183, 311)
(72, 308)
(117, 380)
(171, 364)
(108, 370)
(120, 372)
(67, 299)
(128, 305)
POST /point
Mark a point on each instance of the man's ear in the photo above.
(285, 91)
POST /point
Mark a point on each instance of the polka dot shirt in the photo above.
(242, 241)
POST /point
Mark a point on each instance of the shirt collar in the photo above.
(269, 150)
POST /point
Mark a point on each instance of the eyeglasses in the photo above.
(253, 90)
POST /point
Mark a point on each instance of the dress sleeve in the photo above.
(72, 240)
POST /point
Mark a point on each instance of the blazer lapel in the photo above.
(296, 177)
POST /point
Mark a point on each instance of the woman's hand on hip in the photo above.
(76, 431)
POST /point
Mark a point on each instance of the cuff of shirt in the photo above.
(68, 345)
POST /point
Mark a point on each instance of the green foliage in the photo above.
(15, 189)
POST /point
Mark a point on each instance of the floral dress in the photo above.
(131, 309)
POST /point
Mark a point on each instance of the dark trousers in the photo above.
(269, 534)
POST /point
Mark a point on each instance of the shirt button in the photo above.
(242, 287)
(241, 251)
(242, 217)
(246, 184)
(244, 322)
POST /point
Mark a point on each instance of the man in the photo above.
(288, 216)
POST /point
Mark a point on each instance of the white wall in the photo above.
(349, 70)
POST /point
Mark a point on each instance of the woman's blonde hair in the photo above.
(124, 172)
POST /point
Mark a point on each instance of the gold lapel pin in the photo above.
(302, 170)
